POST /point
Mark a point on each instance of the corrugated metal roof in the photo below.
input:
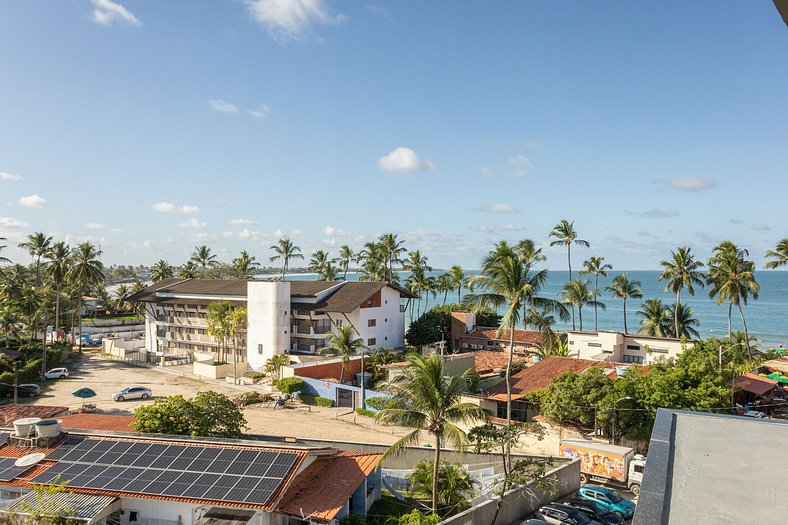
(84, 507)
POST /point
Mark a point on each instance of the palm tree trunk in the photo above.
(625, 316)
(509, 377)
(284, 269)
(79, 313)
(459, 288)
(235, 362)
(746, 334)
(580, 314)
(435, 471)
(445, 296)
(730, 311)
(596, 290)
(676, 312)
(57, 311)
(573, 316)
(569, 259)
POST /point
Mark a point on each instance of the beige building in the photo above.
(623, 348)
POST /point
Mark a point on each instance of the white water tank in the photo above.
(24, 427)
(48, 428)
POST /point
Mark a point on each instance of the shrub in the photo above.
(207, 414)
(324, 402)
(382, 403)
(248, 398)
(309, 399)
(255, 375)
(364, 412)
(289, 385)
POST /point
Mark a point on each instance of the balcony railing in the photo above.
(298, 347)
(310, 330)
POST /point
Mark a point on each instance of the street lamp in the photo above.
(614, 416)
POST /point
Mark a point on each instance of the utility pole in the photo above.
(16, 366)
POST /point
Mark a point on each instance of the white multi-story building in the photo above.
(282, 316)
(623, 348)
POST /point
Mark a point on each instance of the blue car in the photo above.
(608, 498)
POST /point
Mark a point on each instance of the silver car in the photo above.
(132, 392)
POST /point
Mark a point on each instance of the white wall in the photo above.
(615, 346)
(150, 329)
(268, 317)
(188, 513)
(389, 329)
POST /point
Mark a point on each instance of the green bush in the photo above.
(309, 399)
(289, 385)
(382, 403)
(255, 375)
(364, 412)
(324, 402)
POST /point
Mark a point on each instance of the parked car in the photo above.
(559, 515)
(25, 390)
(534, 522)
(57, 373)
(132, 392)
(594, 511)
(609, 499)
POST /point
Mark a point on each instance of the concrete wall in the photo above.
(521, 502)
(316, 387)
(209, 370)
(621, 348)
(389, 329)
(268, 312)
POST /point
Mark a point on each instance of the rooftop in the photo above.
(10, 413)
(539, 375)
(530, 337)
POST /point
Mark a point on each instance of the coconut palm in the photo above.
(343, 341)
(161, 270)
(444, 283)
(323, 264)
(37, 245)
(86, 271)
(622, 288)
(681, 271)
(529, 253)
(418, 281)
(731, 277)
(686, 324)
(596, 266)
(433, 400)
(576, 293)
(457, 279)
(656, 320)
(219, 319)
(565, 235)
(3, 260)
(188, 271)
(236, 332)
(454, 485)
(393, 249)
(779, 254)
(275, 363)
(346, 256)
(203, 257)
(285, 250)
(245, 266)
(59, 261)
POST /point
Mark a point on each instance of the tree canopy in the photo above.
(435, 324)
(208, 414)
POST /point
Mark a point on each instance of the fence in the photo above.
(521, 502)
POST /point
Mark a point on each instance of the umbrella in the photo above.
(84, 393)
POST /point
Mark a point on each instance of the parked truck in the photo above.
(604, 463)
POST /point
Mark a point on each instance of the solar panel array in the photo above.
(8, 470)
(242, 476)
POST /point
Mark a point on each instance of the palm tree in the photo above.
(444, 283)
(345, 343)
(37, 245)
(161, 270)
(59, 261)
(346, 256)
(433, 401)
(596, 266)
(121, 302)
(188, 271)
(323, 264)
(623, 288)
(686, 321)
(237, 329)
(285, 250)
(393, 249)
(565, 234)
(681, 271)
(780, 254)
(275, 363)
(732, 279)
(418, 281)
(219, 319)
(3, 259)
(454, 485)
(655, 322)
(576, 293)
(203, 257)
(245, 266)
(529, 253)
(457, 279)
(85, 271)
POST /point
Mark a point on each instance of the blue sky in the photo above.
(150, 127)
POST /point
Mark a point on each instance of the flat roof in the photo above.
(712, 468)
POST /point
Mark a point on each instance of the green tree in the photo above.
(219, 320)
(779, 254)
(622, 288)
(37, 245)
(86, 271)
(373, 262)
(3, 259)
(346, 256)
(274, 364)
(565, 234)
(343, 341)
(323, 264)
(432, 401)
(203, 258)
(418, 281)
(596, 266)
(392, 249)
(457, 280)
(47, 510)
(435, 324)
(160, 271)
(576, 293)
(417, 518)
(285, 250)
(656, 320)
(686, 323)
(455, 486)
(681, 271)
(237, 333)
(121, 302)
(443, 283)
(245, 266)
(209, 414)
(59, 261)
(188, 271)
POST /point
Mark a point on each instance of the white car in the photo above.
(57, 373)
(132, 392)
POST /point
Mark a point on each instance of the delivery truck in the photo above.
(604, 463)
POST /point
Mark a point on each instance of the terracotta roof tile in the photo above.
(10, 413)
(324, 487)
(539, 375)
(528, 337)
(488, 360)
(11, 451)
(112, 422)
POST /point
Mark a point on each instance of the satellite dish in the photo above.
(30, 459)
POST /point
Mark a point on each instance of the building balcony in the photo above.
(299, 347)
(310, 330)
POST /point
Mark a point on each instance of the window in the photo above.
(633, 347)
(571, 342)
(490, 343)
(594, 345)
(339, 322)
(133, 516)
(371, 341)
(633, 359)
(638, 468)
(372, 322)
(260, 349)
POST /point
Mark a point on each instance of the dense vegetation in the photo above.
(207, 414)
(435, 324)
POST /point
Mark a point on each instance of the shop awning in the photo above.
(84, 508)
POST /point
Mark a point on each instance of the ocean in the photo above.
(767, 317)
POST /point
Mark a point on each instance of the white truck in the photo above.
(604, 463)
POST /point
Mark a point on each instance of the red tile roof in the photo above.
(523, 337)
(754, 383)
(488, 360)
(111, 422)
(11, 451)
(324, 487)
(10, 413)
(539, 375)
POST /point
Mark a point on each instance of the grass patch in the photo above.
(389, 506)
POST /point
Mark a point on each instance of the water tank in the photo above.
(24, 427)
(48, 428)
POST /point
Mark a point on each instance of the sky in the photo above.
(151, 127)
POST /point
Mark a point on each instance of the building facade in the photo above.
(282, 316)
(623, 348)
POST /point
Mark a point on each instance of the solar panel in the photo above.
(4, 438)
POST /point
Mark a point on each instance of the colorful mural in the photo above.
(597, 463)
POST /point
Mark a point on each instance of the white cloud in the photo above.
(329, 242)
(659, 214)
(688, 183)
(521, 160)
(511, 227)
(168, 207)
(330, 231)
(278, 233)
(10, 222)
(193, 223)
(33, 201)
(116, 230)
(4, 175)
(760, 227)
(295, 233)
(244, 234)
(262, 111)
(482, 228)
(240, 222)
(107, 12)
(222, 106)
(292, 19)
(203, 237)
(498, 208)
(404, 160)
(94, 226)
